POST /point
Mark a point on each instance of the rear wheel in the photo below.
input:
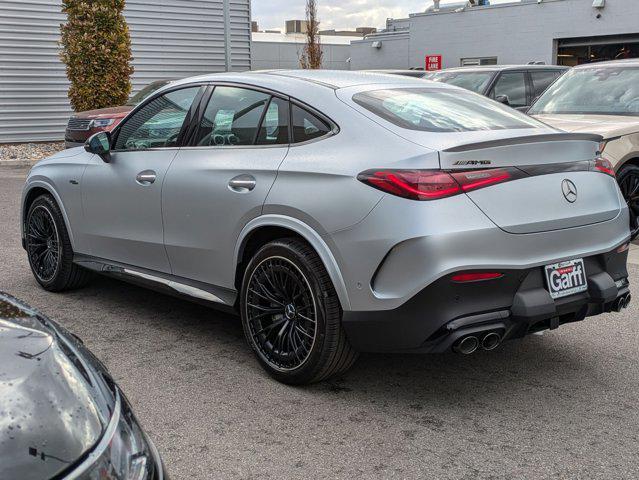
(49, 248)
(291, 314)
(628, 178)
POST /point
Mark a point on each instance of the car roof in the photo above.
(334, 79)
(501, 68)
(627, 62)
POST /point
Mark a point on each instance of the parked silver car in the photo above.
(339, 212)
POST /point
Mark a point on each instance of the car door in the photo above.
(513, 86)
(218, 184)
(122, 199)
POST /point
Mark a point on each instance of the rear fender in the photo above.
(311, 236)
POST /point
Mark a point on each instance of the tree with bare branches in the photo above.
(312, 54)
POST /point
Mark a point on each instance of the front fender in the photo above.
(44, 184)
(311, 236)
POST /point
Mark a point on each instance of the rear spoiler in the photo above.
(548, 137)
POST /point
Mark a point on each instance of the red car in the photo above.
(84, 124)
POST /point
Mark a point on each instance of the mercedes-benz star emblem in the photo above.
(569, 190)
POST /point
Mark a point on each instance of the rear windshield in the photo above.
(439, 110)
(473, 81)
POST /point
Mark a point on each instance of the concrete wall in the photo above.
(170, 39)
(394, 52)
(514, 33)
(277, 55)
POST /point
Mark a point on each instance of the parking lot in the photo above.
(561, 405)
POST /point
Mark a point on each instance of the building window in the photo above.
(473, 62)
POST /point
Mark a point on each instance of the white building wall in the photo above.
(283, 51)
(394, 52)
(514, 33)
(170, 39)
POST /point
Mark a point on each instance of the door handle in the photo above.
(145, 178)
(242, 183)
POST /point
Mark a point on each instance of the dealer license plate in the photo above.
(566, 278)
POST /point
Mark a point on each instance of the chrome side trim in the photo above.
(178, 287)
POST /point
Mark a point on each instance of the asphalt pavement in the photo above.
(562, 405)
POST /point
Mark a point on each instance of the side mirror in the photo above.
(100, 144)
(503, 99)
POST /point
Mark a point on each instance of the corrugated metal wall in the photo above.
(170, 39)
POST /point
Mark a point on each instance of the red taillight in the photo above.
(413, 184)
(604, 166)
(466, 277)
(435, 184)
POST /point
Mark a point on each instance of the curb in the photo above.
(17, 163)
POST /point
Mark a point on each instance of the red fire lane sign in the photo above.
(433, 62)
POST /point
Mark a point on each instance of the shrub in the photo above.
(96, 48)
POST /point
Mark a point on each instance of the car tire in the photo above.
(628, 179)
(292, 316)
(47, 239)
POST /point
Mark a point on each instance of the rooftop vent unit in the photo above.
(598, 3)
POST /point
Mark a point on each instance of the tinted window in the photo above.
(232, 117)
(592, 91)
(542, 79)
(513, 86)
(274, 128)
(146, 92)
(439, 110)
(307, 126)
(158, 123)
(473, 81)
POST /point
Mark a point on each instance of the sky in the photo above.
(339, 14)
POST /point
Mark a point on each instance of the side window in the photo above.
(158, 123)
(542, 80)
(513, 86)
(232, 117)
(274, 128)
(307, 126)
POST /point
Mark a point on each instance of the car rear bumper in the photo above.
(517, 304)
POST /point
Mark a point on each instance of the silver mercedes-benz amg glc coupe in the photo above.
(339, 213)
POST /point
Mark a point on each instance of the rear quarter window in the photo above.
(438, 110)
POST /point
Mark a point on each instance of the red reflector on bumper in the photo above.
(475, 276)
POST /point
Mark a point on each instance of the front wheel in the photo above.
(628, 178)
(49, 248)
(291, 314)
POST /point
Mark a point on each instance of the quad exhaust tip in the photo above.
(621, 303)
(471, 343)
(491, 341)
(467, 345)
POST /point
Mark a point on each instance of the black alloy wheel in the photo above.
(43, 244)
(49, 247)
(628, 178)
(291, 314)
(281, 313)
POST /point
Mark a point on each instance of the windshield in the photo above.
(592, 91)
(473, 81)
(136, 99)
(442, 110)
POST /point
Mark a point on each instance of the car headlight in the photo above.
(123, 453)
(102, 122)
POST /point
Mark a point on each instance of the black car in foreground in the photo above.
(61, 414)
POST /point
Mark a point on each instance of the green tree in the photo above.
(96, 49)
